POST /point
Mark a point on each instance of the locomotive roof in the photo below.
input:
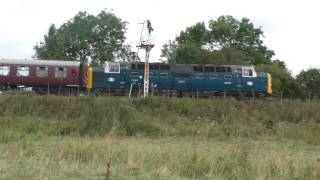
(39, 62)
(221, 65)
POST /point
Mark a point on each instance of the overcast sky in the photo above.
(291, 28)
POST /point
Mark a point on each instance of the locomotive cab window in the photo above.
(247, 72)
(4, 70)
(60, 72)
(23, 71)
(42, 71)
(112, 67)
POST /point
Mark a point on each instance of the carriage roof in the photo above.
(40, 62)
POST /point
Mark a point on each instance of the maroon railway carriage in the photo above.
(39, 74)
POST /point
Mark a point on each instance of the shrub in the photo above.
(181, 106)
(135, 127)
(268, 123)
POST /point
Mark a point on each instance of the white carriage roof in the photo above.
(40, 62)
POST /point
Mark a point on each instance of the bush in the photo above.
(268, 123)
(181, 106)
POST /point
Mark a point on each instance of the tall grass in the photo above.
(158, 138)
(212, 118)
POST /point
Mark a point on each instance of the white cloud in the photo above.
(290, 27)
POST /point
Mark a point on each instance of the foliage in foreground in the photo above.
(34, 156)
(50, 136)
(214, 118)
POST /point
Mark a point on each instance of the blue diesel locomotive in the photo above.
(179, 79)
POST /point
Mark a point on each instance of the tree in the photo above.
(282, 81)
(227, 31)
(309, 81)
(224, 35)
(52, 47)
(86, 37)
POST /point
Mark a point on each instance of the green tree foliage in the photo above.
(282, 81)
(309, 81)
(100, 38)
(227, 31)
(227, 40)
(238, 39)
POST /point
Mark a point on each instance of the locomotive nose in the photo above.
(269, 90)
(88, 82)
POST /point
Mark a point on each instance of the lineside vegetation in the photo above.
(158, 138)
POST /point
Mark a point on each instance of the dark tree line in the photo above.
(225, 40)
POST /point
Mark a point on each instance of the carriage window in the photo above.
(164, 67)
(213, 76)
(134, 75)
(227, 77)
(42, 71)
(4, 70)
(74, 72)
(199, 76)
(209, 69)
(228, 69)
(163, 75)
(197, 68)
(23, 71)
(133, 66)
(60, 72)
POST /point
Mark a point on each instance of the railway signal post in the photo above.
(147, 45)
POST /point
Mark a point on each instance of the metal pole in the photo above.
(197, 93)
(253, 95)
(146, 73)
(130, 91)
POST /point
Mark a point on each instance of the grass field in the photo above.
(54, 137)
